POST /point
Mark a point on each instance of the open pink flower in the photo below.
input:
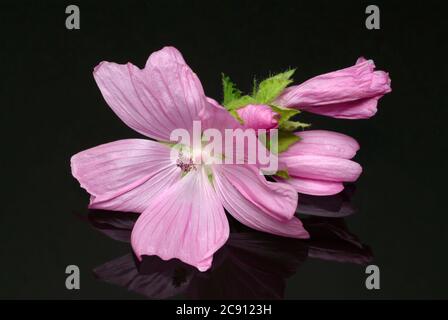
(182, 205)
(350, 93)
(319, 163)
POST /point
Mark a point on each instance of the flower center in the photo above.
(185, 163)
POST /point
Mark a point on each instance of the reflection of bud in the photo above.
(331, 240)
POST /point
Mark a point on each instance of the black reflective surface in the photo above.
(252, 265)
(51, 108)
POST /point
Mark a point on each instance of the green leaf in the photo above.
(285, 140)
(236, 116)
(240, 102)
(263, 93)
(230, 92)
(282, 174)
(254, 87)
(293, 125)
(270, 88)
(285, 115)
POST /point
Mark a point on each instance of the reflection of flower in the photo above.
(252, 265)
(332, 241)
(350, 93)
(336, 206)
(182, 204)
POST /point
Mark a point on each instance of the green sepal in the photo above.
(240, 102)
(230, 91)
(293, 125)
(236, 116)
(285, 140)
(263, 93)
(270, 88)
(283, 174)
(285, 115)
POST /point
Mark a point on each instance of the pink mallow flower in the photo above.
(258, 116)
(320, 162)
(181, 204)
(350, 93)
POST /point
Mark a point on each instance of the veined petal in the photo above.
(350, 93)
(164, 96)
(250, 214)
(277, 200)
(313, 187)
(358, 109)
(170, 88)
(322, 168)
(185, 222)
(125, 174)
(166, 55)
(215, 116)
(356, 82)
(323, 143)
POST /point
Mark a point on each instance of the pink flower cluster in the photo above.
(182, 211)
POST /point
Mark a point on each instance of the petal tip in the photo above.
(305, 234)
(97, 68)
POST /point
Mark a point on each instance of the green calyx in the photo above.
(265, 93)
(283, 174)
(269, 89)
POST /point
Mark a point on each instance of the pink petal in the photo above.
(124, 175)
(322, 168)
(167, 55)
(249, 214)
(215, 116)
(313, 187)
(358, 109)
(185, 222)
(278, 200)
(323, 143)
(258, 116)
(164, 96)
(335, 94)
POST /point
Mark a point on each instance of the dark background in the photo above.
(51, 109)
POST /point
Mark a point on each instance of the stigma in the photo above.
(185, 163)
